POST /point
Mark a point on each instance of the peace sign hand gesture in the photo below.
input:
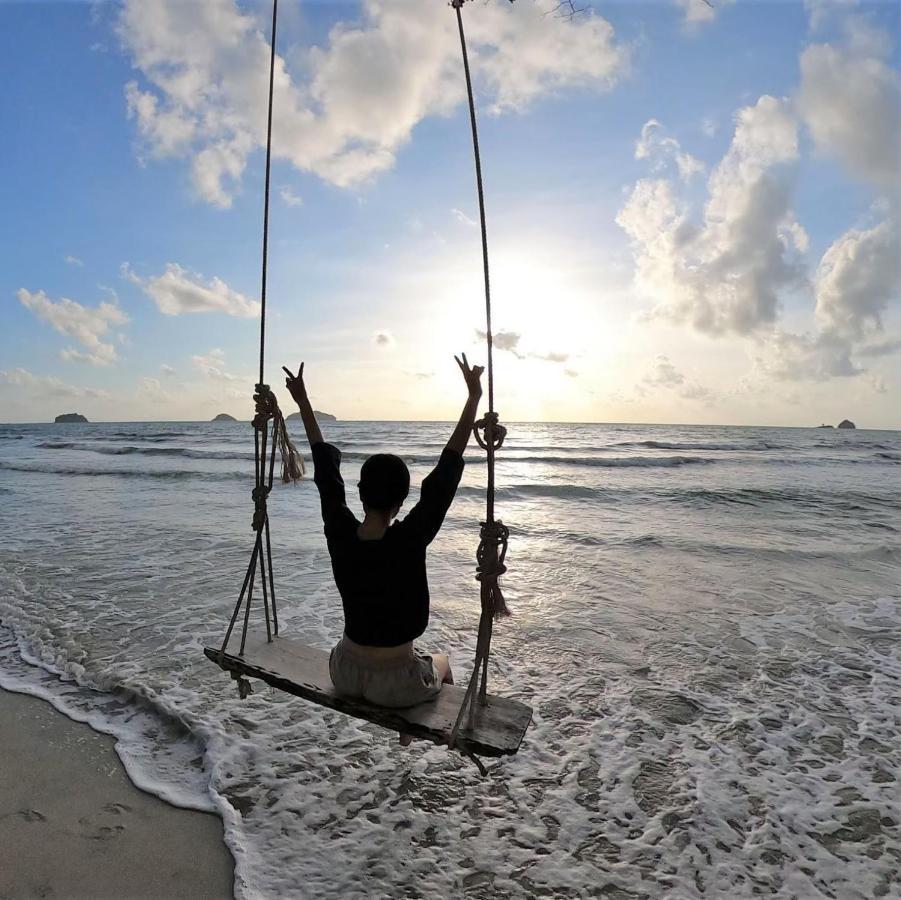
(472, 376)
(294, 383)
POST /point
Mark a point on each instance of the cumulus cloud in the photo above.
(850, 99)
(167, 370)
(178, 291)
(85, 324)
(73, 261)
(725, 273)
(383, 339)
(655, 145)
(205, 66)
(46, 384)
(857, 278)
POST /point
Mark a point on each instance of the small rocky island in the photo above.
(70, 417)
(326, 417)
(846, 423)
(225, 417)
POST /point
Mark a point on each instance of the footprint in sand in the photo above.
(32, 815)
(106, 833)
(117, 808)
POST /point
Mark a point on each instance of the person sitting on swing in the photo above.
(380, 565)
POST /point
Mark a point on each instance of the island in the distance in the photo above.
(225, 417)
(70, 417)
(326, 417)
(846, 423)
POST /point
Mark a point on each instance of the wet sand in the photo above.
(73, 825)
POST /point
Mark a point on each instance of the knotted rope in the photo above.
(267, 410)
(490, 436)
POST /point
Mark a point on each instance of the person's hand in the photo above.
(472, 376)
(294, 383)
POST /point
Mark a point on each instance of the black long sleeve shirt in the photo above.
(383, 583)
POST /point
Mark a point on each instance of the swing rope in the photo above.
(488, 432)
(490, 436)
(267, 410)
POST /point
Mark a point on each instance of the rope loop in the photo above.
(259, 494)
(494, 432)
(493, 538)
(266, 406)
(490, 559)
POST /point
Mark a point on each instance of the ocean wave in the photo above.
(614, 462)
(186, 452)
(146, 435)
(651, 462)
(164, 474)
(757, 446)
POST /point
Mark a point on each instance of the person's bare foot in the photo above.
(406, 740)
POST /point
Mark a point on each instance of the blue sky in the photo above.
(692, 211)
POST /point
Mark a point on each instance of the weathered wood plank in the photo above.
(294, 667)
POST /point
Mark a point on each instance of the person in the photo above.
(379, 564)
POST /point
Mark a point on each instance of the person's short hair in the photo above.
(384, 481)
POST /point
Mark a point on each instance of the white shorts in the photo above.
(393, 681)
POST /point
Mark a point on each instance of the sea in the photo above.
(706, 622)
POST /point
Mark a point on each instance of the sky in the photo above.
(693, 211)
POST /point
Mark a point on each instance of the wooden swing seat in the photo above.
(292, 666)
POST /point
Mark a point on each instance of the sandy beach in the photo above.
(73, 825)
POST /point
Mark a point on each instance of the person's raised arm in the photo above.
(472, 375)
(294, 383)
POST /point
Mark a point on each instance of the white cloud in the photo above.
(667, 376)
(850, 100)
(461, 216)
(85, 324)
(73, 261)
(167, 370)
(205, 87)
(509, 341)
(821, 11)
(656, 146)
(797, 357)
(47, 385)
(154, 391)
(212, 365)
(709, 127)
(664, 373)
(725, 274)
(178, 291)
(858, 276)
(700, 12)
(289, 198)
